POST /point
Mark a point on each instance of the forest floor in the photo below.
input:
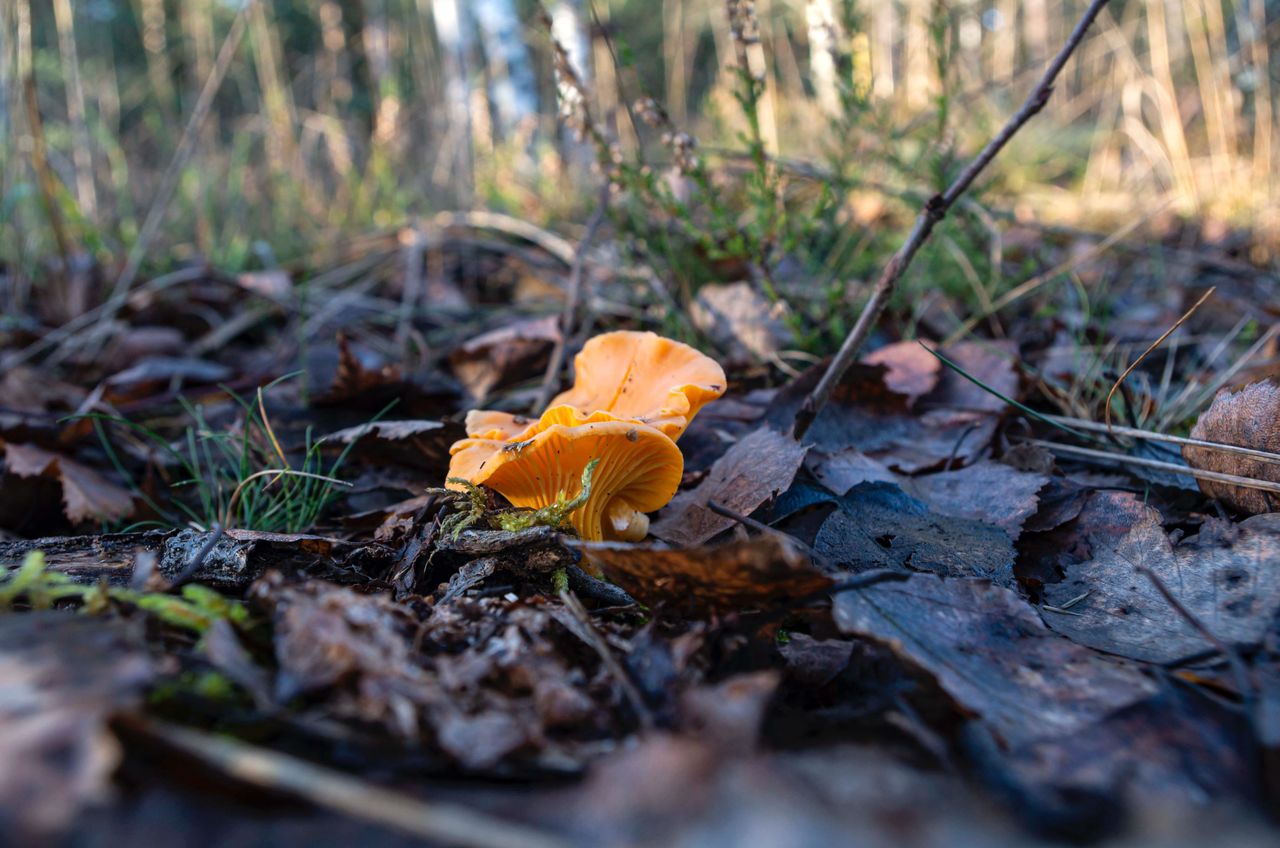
(236, 608)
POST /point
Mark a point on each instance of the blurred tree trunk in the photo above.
(824, 38)
(569, 27)
(513, 89)
(453, 37)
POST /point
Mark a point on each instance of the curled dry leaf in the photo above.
(751, 472)
(746, 574)
(913, 371)
(86, 494)
(1248, 418)
(505, 356)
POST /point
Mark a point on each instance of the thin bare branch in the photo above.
(934, 211)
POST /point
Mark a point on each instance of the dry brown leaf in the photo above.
(1249, 418)
(743, 574)
(751, 472)
(913, 371)
(86, 494)
(505, 356)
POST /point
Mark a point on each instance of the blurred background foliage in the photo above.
(818, 130)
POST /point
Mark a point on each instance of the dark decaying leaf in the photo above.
(1072, 524)
(1065, 730)
(877, 525)
(1227, 579)
(743, 574)
(991, 492)
(679, 790)
(505, 356)
(361, 383)
(486, 683)
(990, 652)
(62, 676)
(751, 472)
(1248, 418)
(86, 494)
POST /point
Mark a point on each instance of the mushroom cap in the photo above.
(639, 471)
(645, 377)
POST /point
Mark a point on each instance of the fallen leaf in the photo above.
(62, 676)
(744, 574)
(485, 682)
(987, 491)
(990, 363)
(505, 356)
(1248, 418)
(877, 525)
(86, 494)
(1228, 581)
(912, 371)
(843, 469)
(751, 472)
(990, 652)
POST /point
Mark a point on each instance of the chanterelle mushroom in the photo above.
(633, 395)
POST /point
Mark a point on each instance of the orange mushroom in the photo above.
(633, 396)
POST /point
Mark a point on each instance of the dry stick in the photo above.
(572, 297)
(169, 181)
(597, 642)
(436, 822)
(1157, 465)
(1106, 407)
(69, 329)
(1151, 436)
(934, 210)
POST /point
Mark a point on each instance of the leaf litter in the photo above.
(909, 626)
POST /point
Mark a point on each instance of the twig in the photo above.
(189, 570)
(574, 295)
(601, 647)
(96, 315)
(1106, 407)
(1157, 465)
(1151, 436)
(436, 822)
(934, 210)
